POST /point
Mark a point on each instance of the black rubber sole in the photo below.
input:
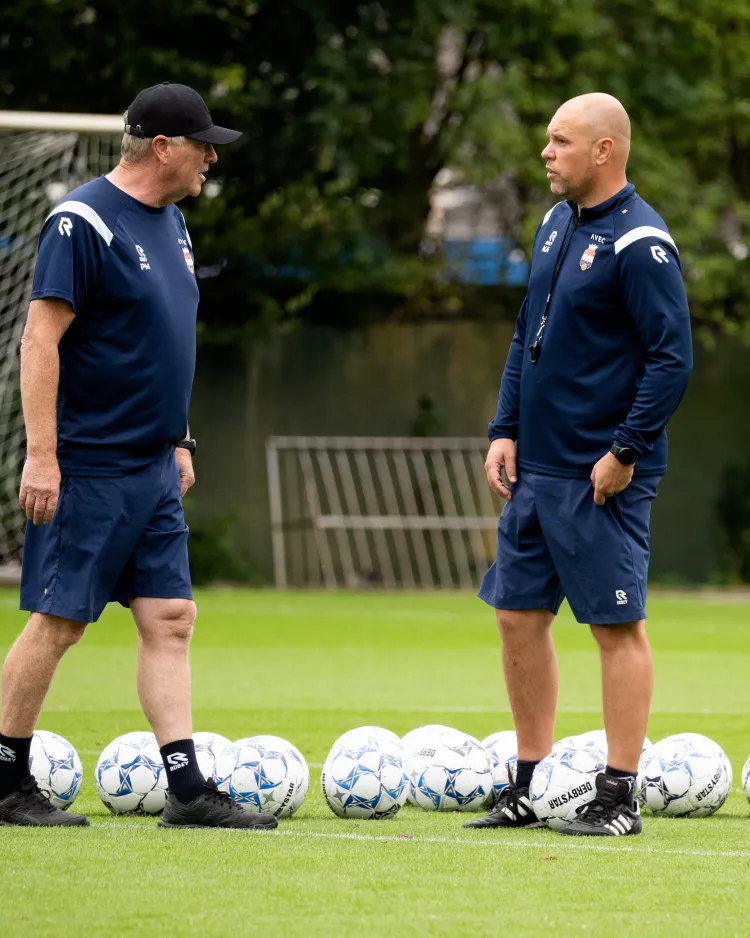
(218, 827)
(86, 823)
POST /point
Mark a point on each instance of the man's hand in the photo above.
(185, 464)
(501, 455)
(40, 488)
(609, 477)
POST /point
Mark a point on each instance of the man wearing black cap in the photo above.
(107, 362)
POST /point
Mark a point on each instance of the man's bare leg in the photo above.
(165, 627)
(627, 688)
(30, 667)
(530, 667)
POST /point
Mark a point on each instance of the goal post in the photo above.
(42, 157)
(391, 512)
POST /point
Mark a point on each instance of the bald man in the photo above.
(599, 361)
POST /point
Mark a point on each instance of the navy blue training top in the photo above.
(127, 360)
(614, 352)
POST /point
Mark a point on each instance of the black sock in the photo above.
(183, 775)
(14, 762)
(524, 772)
(621, 773)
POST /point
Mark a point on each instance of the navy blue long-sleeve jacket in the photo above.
(614, 353)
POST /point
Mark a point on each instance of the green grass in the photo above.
(308, 667)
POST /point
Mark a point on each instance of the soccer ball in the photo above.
(687, 775)
(208, 747)
(365, 778)
(377, 732)
(450, 772)
(564, 781)
(746, 779)
(502, 749)
(130, 776)
(414, 741)
(55, 765)
(265, 774)
(594, 739)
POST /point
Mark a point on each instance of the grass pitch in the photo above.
(309, 666)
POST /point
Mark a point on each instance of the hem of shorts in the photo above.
(562, 472)
(62, 612)
(172, 594)
(520, 605)
(610, 619)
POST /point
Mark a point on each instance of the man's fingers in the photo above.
(510, 467)
(495, 480)
(50, 509)
(599, 497)
(40, 507)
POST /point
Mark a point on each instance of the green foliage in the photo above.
(214, 558)
(733, 511)
(350, 111)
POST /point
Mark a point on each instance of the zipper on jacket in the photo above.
(535, 349)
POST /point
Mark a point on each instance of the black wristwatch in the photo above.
(624, 454)
(189, 445)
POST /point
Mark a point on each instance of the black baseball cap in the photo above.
(175, 111)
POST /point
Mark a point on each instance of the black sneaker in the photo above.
(613, 813)
(512, 809)
(28, 807)
(213, 808)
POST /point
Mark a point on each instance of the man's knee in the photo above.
(56, 631)
(611, 637)
(170, 620)
(523, 623)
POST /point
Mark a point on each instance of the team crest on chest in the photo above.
(188, 260)
(588, 257)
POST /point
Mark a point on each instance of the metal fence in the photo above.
(391, 512)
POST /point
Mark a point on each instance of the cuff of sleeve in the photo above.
(623, 438)
(501, 432)
(55, 294)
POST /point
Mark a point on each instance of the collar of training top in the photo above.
(604, 208)
(174, 110)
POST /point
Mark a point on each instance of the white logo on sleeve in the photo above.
(65, 226)
(7, 754)
(177, 760)
(144, 260)
(622, 597)
(549, 242)
(659, 254)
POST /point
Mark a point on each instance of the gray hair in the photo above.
(137, 149)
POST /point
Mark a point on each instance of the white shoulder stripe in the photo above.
(645, 231)
(84, 211)
(187, 233)
(549, 213)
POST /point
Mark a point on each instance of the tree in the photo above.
(351, 111)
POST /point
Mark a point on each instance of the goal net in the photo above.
(392, 512)
(42, 157)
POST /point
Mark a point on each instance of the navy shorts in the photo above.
(554, 543)
(110, 540)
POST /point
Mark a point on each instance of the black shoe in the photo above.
(512, 809)
(213, 808)
(28, 807)
(613, 812)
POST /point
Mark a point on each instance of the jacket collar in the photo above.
(604, 208)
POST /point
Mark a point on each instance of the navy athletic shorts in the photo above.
(554, 543)
(110, 540)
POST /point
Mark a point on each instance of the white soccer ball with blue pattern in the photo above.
(450, 772)
(366, 778)
(130, 776)
(687, 775)
(55, 765)
(264, 774)
(564, 781)
(502, 748)
(413, 742)
(208, 748)
(746, 779)
(376, 732)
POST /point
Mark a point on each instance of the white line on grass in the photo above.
(510, 845)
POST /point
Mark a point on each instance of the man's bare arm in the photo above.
(47, 323)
